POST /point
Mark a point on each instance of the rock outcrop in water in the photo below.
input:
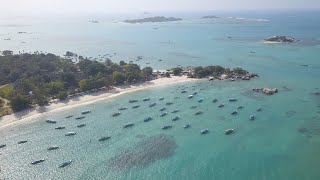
(281, 39)
(70, 54)
(267, 91)
(153, 19)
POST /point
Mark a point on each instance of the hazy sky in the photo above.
(15, 7)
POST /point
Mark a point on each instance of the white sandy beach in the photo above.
(26, 116)
(272, 42)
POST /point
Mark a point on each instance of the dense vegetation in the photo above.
(33, 79)
(1, 103)
(177, 70)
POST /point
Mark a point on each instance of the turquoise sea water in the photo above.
(282, 143)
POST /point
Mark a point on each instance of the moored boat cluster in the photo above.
(162, 114)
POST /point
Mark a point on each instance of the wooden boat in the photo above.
(146, 99)
(234, 113)
(233, 99)
(86, 112)
(50, 121)
(175, 118)
(70, 134)
(166, 127)
(104, 138)
(116, 114)
(187, 126)
(80, 117)
(128, 125)
(229, 131)
(163, 114)
(65, 164)
(175, 111)
(122, 108)
(153, 104)
(240, 107)
(81, 125)
(204, 131)
(147, 119)
(37, 161)
(52, 148)
(198, 113)
(22, 142)
(162, 109)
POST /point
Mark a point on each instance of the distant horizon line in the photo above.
(188, 10)
(146, 12)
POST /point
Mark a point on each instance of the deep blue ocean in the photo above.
(282, 143)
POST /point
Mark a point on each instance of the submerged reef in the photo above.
(144, 153)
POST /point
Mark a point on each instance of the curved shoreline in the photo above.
(27, 115)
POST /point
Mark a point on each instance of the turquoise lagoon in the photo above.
(282, 143)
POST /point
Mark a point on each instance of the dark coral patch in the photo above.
(144, 153)
(291, 113)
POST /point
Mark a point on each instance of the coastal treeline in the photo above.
(34, 79)
(216, 71)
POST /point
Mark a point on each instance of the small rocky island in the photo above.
(280, 39)
(153, 19)
(267, 91)
(93, 21)
(210, 17)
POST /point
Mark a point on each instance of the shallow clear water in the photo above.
(282, 143)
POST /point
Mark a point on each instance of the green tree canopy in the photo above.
(20, 102)
(118, 77)
(239, 71)
(69, 79)
(146, 72)
(177, 71)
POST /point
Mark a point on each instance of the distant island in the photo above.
(153, 19)
(93, 21)
(210, 17)
(280, 39)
